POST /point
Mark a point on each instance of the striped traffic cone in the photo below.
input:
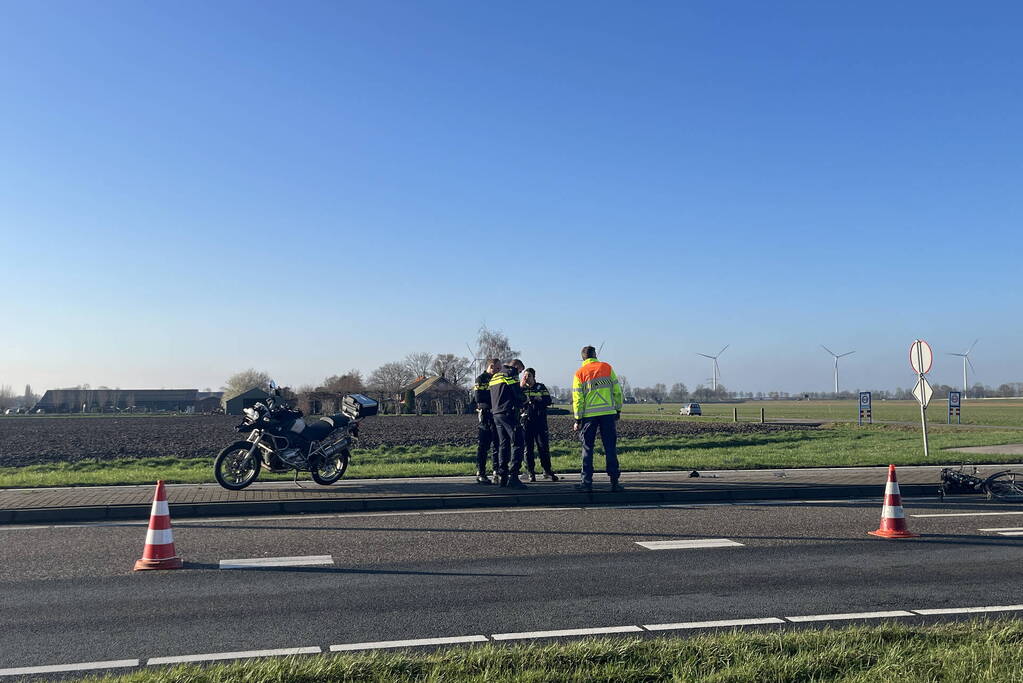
(159, 552)
(893, 519)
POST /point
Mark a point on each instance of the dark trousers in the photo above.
(486, 442)
(538, 438)
(605, 424)
(510, 444)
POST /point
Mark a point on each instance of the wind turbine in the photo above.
(966, 359)
(837, 356)
(715, 370)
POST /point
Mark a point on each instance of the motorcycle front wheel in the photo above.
(233, 468)
(328, 470)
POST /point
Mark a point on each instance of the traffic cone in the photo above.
(159, 552)
(893, 519)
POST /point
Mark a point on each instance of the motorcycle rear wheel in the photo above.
(231, 469)
(326, 472)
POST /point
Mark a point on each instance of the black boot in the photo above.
(584, 486)
(514, 483)
(616, 487)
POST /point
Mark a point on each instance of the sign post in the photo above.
(865, 408)
(921, 359)
(954, 407)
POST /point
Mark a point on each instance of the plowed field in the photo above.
(32, 440)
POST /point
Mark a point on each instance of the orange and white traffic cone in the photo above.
(159, 552)
(893, 519)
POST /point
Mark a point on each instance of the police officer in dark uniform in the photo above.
(506, 401)
(487, 430)
(534, 424)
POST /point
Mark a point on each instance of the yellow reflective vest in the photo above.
(595, 390)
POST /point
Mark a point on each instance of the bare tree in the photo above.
(679, 393)
(659, 393)
(454, 369)
(240, 382)
(419, 363)
(623, 381)
(29, 399)
(494, 344)
(6, 396)
(391, 378)
(348, 383)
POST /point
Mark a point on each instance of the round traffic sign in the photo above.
(920, 356)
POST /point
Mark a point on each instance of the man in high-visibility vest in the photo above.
(597, 405)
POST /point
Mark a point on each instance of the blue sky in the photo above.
(191, 189)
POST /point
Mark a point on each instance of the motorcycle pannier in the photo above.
(357, 406)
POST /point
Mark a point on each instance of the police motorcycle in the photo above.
(279, 440)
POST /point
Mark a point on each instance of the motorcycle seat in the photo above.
(317, 431)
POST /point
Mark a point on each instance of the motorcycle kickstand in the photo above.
(296, 480)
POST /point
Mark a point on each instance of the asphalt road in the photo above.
(68, 595)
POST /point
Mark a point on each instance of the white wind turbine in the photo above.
(715, 370)
(837, 356)
(966, 359)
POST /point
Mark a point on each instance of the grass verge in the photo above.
(968, 651)
(832, 446)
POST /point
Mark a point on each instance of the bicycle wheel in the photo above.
(1007, 485)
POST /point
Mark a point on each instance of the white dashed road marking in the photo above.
(384, 644)
(690, 544)
(854, 615)
(712, 624)
(965, 514)
(59, 668)
(248, 654)
(969, 610)
(261, 562)
(567, 632)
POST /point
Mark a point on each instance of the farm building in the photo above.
(209, 402)
(437, 395)
(117, 400)
(246, 399)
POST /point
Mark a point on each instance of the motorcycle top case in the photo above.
(357, 406)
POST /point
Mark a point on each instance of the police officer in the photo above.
(487, 431)
(506, 401)
(597, 405)
(534, 424)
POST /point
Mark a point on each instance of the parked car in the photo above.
(690, 409)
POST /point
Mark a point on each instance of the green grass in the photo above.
(969, 651)
(998, 412)
(836, 445)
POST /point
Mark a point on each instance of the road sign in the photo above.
(954, 407)
(865, 407)
(923, 392)
(920, 357)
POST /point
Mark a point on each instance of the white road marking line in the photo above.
(1010, 533)
(712, 624)
(15, 527)
(216, 656)
(969, 610)
(567, 632)
(690, 544)
(384, 644)
(854, 615)
(1006, 528)
(58, 668)
(966, 514)
(260, 562)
